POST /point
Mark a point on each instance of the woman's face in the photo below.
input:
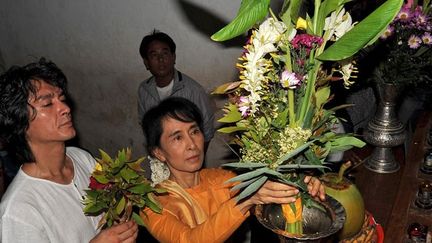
(181, 146)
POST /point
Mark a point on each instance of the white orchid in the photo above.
(337, 25)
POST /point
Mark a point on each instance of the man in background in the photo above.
(158, 53)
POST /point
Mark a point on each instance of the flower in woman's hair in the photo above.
(427, 38)
(414, 42)
(387, 33)
(289, 80)
(244, 106)
(338, 24)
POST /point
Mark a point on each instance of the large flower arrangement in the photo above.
(118, 188)
(405, 46)
(276, 110)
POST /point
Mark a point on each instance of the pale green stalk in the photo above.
(317, 5)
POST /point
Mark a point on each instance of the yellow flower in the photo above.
(98, 167)
(301, 24)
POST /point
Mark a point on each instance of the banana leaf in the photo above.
(250, 12)
(364, 33)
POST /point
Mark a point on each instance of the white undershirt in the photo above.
(166, 91)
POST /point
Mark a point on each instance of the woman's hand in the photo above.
(315, 188)
(122, 233)
(270, 192)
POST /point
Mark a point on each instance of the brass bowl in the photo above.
(317, 223)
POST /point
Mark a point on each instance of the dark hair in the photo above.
(180, 109)
(16, 87)
(156, 36)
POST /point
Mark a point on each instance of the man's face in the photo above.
(160, 61)
(50, 120)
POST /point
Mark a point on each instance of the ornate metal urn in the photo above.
(385, 130)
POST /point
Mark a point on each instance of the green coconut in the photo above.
(345, 192)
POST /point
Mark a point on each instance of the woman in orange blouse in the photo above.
(199, 206)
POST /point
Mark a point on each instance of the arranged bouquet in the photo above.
(276, 110)
(405, 46)
(118, 188)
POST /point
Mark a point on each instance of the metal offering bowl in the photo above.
(317, 224)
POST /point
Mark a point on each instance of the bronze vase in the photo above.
(385, 130)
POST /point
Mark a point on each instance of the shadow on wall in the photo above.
(205, 22)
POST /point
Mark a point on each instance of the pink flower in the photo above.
(244, 106)
(387, 33)
(404, 14)
(414, 42)
(289, 80)
(427, 38)
(307, 41)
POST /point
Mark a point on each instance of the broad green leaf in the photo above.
(248, 175)
(101, 178)
(128, 174)
(92, 208)
(365, 31)
(138, 219)
(252, 188)
(250, 12)
(245, 165)
(120, 205)
(141, 189)
(231, 129)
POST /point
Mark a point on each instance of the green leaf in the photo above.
(141, 188)
(244, 184)
(120, 206)
(299, 166)
(101, 178)
(245, 165)
(122, 155)
(233, 115)
(231, 129)
(250, 12)
(128, 174)
(363, 33)
(252, 188)
(248, 175)
(294, 152)
(136, 164)
(105, 157)
(92, 208)
(322, 96)
(137, 219)
(150, 203)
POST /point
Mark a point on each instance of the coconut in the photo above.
(345, 192)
